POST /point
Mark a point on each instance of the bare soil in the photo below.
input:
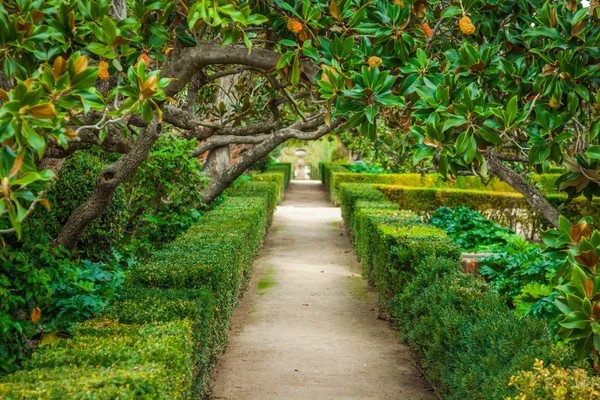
(307, 327)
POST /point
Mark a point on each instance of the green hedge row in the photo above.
(337, 176)
(278, 178)
(327, 172)
(283, 168)
(509, 209)
(278, 174)
(333, 175)
(106, 360)
(161, 337)
(469, 342)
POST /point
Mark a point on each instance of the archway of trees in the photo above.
(472, 84)
(176, 100)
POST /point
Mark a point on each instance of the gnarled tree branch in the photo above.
(312, 129)
(106, 184)
(534, 197)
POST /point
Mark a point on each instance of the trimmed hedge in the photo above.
(339, 174)
(428, 199)
(352, 193)
(470, 343)
(282, 168)
(190, 287)
(422, 181)
(327, 171)
(263, 189)
(276, 177)
(509, 209)
(106, 360)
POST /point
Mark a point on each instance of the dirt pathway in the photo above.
(307, 326)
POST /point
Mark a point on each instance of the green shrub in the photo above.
(517, 270)
(368, 237)
(398, 249)
(194, 282)
(139, 305)
(275, 177)
(508, 209)
(351, 193)
(577, 208)
(284, 168)
(364, 208)
(74, 185)
(430, 199)
(149, 381)
(327, 172)
(66, 291)
(469, 342)
(419, 181)
(165, 194)
(266, 190)
(105, 360)
(545, 181)
(469, 229)
(555, 383)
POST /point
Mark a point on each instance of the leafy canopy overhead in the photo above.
(449, 80)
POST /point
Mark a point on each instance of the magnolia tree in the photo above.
(473, 85)
(77, 74)
(490, 87)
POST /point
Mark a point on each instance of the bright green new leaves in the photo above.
(228, 16)
(19, 176)
(143, 93)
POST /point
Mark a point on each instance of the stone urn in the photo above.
(300, 164)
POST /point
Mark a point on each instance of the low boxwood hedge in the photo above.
(282, 168)
(327, 172)
(509, 209)
(352, 193)
(161, 337)
(108, 360)
(276, 177)
(333, 175)
(469, 342)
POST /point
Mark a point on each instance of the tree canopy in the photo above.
(478, 86)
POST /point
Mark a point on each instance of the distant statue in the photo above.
(300, 164)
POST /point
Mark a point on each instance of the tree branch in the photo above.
(534, 197)
(306, 130)
(194, 59)
(515, 157)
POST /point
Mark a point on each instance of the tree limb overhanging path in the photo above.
(307, 327)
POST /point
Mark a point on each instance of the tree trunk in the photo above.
(106, 184)
(534, 197)
(217, 168)
(259, 151)
(53, 164)
(118, 9)
(218, 162)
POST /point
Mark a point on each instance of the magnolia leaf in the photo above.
(588, 258)
(582, 229)
(43, 111)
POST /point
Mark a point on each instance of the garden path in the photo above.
(307, 326)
